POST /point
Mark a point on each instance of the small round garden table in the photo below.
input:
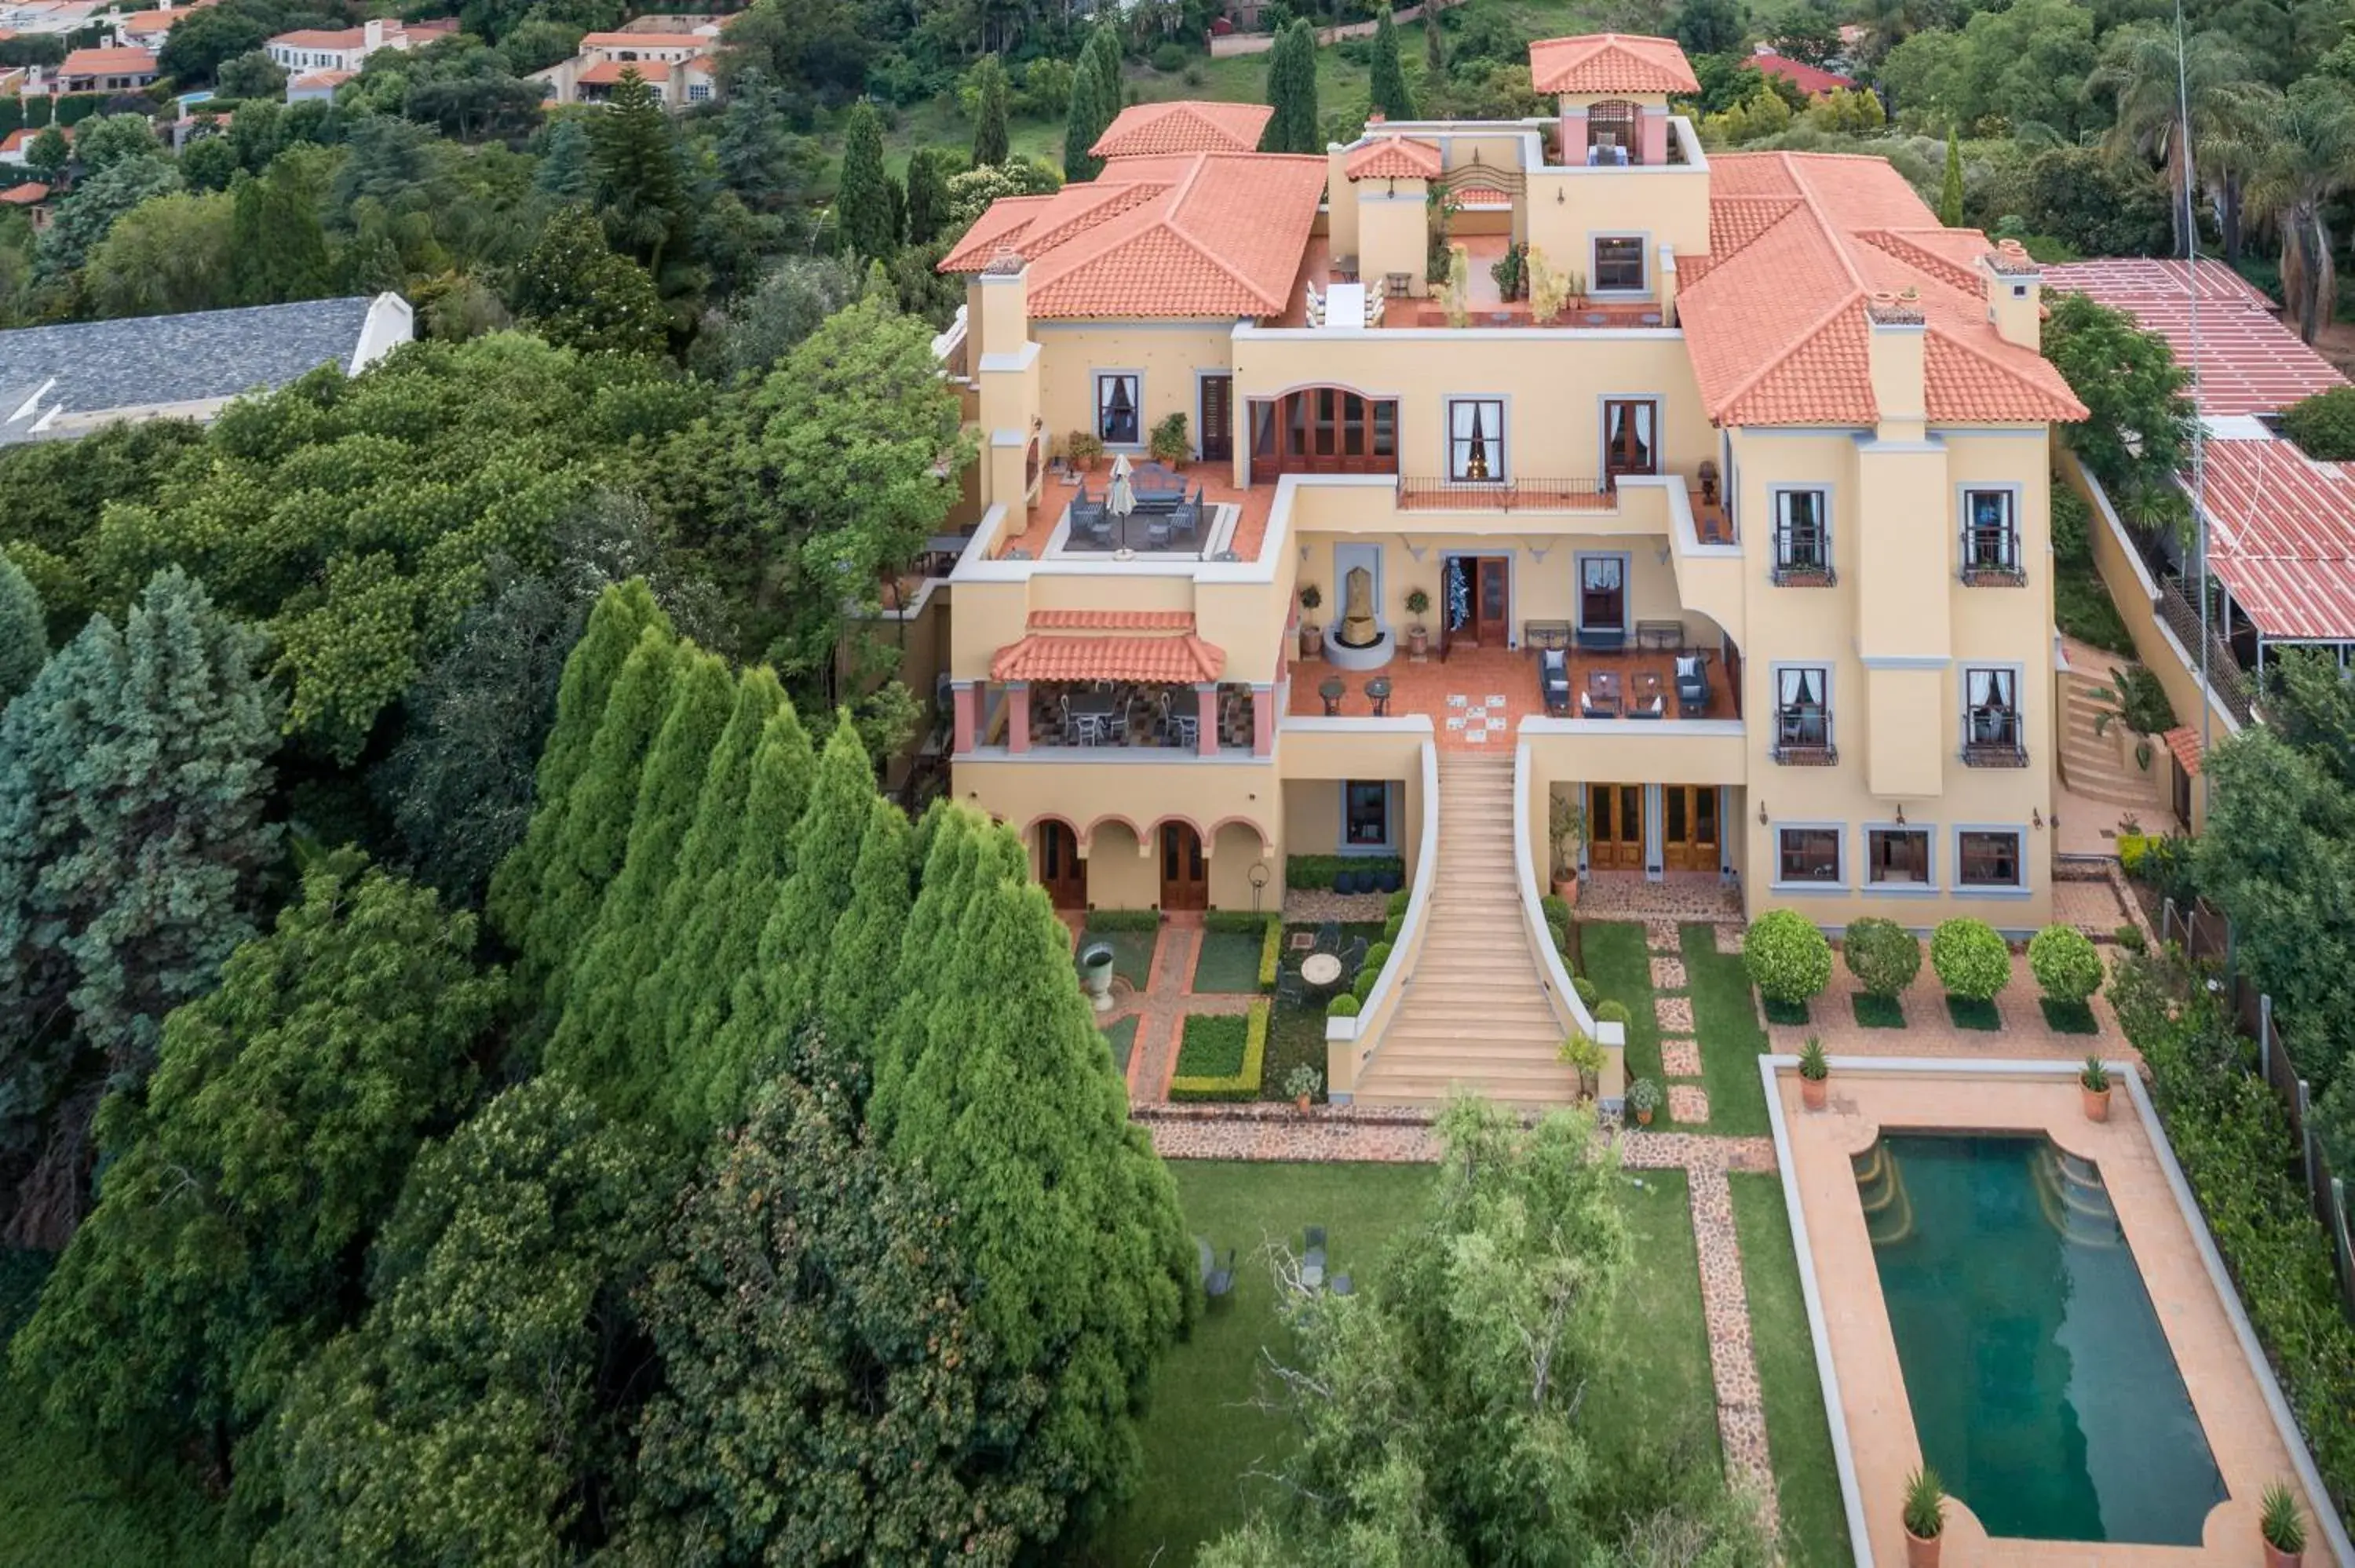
(1321, 969)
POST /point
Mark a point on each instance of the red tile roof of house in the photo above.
(1159, 130)
(322, 78)
(109, 62)
(608, 72)
(1216, 234)
(2281, 536)
(22, 138)
(2250, 361)
(1394, 158)
(1776, 324)
(1186, 659)
(1813, 80)
(26, 195)
(332, 38)
(2184, 742)
(1610, 62)
(1112, 621)
(647, 41)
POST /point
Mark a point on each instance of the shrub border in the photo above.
(1244, 1085)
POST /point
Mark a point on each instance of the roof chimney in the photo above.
(1895, 356)
(2015, 288)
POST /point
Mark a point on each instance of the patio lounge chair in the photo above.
(1692, 687)
(1311, 1262)
(1218, 1279)
(1290, 988)
(1553, 675)
(1657, 707)
(1091, 522)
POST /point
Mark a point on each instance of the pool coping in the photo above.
(2326, 1512)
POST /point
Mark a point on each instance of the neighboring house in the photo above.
(1813, 80)
(345, 48)
(57, 382)
(2281, 525)
(48, 15)
(31, 198)
(148, 30)
(677, 65)
(18, 142)
(317, 84)
(107, 70)
(1771, 492)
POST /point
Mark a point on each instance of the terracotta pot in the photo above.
(1815, 1093)
(2276, 1557)
(2097, 1103)
(1312, 639)
(1302, 1103)
(1566, 889)
(1922, 1551)
(1418, 642)
(1643, 1119)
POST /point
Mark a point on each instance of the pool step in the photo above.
(1888, 1212)
(2074, 1202)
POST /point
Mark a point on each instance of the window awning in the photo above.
(1045, 657)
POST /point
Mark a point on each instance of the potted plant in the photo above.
(1170, 443)
(1925, 1517)
(1302, 1084)
(2137, 704)
(2093, 1078)
(1587, 1058)
(1566, 822)
(2282, 1526)
(1643, 1099)
(1312, 632)
(1418, 636)
(1815, 1071)
(1085, 449)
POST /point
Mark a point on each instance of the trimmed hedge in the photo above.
(1213, 1036)
(1392, 926)
(1315, 873)
(1396, 907)
(1363, 987)
(1588, 993)
(1123, 919)
(1788, 957)
(1972, 962)
(1555, 909)
(1271, 953)
(1377, 956)
(1611, 1011)
(1234, 920)
(2064, 963)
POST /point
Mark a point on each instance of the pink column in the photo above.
(1205, 705)
(1263, 720)
(962, 702)
(1653, 133)
(1017, 715)
(1573, 138)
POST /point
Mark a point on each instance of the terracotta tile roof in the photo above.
(1186, 659)
(1776, 322)
(646, 41)
(609, 72)
(1610, 62)
(1212, 234)
(26, 195)
(1809, 80)
(1394, 158)
(1112, 621)
(1158, 129)
(2250, 362)
(334, 37)
(109, 62)
(322, 79)
(2184, 742)
(2281, 536)
(1480, 195)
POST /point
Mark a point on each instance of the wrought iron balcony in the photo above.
(1994, 738)
(1803, 737)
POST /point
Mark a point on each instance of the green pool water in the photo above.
(2044, 1390)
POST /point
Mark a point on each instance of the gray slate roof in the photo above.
(147, 360)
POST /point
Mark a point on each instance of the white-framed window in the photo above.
(1897, 857)
(698, 92)
(1618, 264)
(1476, 439)
(1365, 814)
(1602, 593)
(1990, 542)
(1990, 858)
(1120, 412)
(1992, 729)
(1803, 714)
(1802, 534)
(1808, 856)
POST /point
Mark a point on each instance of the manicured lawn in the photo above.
(1212, 1046)
(1732, 1038)
(1815, 1520)
(1202, 1434)
(60, 1507)
(1132, 953)
(1230, 963)
(1618, 964)
(1122, 1038)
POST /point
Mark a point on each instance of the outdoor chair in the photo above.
(1090, 520)
(1352, 955)
(1692, 687)
(1311, 1262)
(1328, 938)
(1290, 988)
(1656, 707)
(1553, 675)
(1218, 1279)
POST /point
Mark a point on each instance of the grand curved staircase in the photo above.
(1475, 1012)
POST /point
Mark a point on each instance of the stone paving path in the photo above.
(1679, 1052)
(1160, 1011)
(1725, 1304)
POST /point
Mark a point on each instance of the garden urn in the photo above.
(1095, 976)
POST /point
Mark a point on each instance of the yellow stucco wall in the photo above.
(1164, 355)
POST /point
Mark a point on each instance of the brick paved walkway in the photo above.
(1687, 1103)
(1725, 1304)
(1160, 1011)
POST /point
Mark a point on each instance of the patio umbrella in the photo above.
(1122, 499)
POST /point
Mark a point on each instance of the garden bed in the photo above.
(1132, 951)
(1878, 1011)
(2069, 1017)
(1970, 1013)
(1229, 964)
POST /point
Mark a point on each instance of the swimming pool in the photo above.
(2043, 1391)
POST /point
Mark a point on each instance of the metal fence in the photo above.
(2207, 937)
(2231, 683)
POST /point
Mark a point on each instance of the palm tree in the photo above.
(2228, 104)
(2309, 159)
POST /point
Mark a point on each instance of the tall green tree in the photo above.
(863, 961)
(639, 178)
(24, 631)
(1391, 98)
(1950, 188)
(989, 139)
(574, 290)
(133, 774)
(1081, 124)
(863, 205)
(270, 1144)
(2308, 158)
(2139, 74)
(2138, 426)
(928, 195)
(1296, 125)
(1709, 27)
(800, 933)
(1435, 50)
(1103, 46)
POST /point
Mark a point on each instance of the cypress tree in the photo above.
(1950, 194)
(1080, 126)
(928, 195)
(622, 614)
(1104, 48)
(248, 242)
(948, 852)
(592, 1043)
(24, 631)
(295, 262)
(641, 184)
(989, 139)
(795, 943)
(1296, 126)
(1435, 49)
(863, 205)
(722, 939)
(586, 854)
(863, 962)
(1391, 95)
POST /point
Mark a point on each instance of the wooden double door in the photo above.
(1061, 872)
(1691, 834)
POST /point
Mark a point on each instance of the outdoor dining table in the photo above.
(1093, 713)
(1321, 969)
(1603, 689)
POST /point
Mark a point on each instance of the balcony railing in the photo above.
(1994, 738)
(1803, 557)
(1503, 495)
(1803, 737)
(1991, 559)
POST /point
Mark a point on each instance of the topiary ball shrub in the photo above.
(2065, 963)
(1588, 993)
(1884, 956)
(1788, 957)
(1392, 879)
(1343, 1006)
(1613, 1012)
(1971, 960)
(1555, 910)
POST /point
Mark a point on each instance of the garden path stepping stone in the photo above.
(1675, 1013)
(1687, 1104)
(1668, 974)
(1680, 1058)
